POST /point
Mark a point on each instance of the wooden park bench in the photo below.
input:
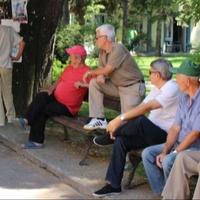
(77, 123)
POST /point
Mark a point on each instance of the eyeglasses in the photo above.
(97, 37)
(151, 72)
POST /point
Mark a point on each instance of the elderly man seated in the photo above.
(183, 134)
(133, 130)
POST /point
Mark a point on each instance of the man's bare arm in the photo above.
(189, 139)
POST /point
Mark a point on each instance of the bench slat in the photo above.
(77, 124)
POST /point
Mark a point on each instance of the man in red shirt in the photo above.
(63, 98)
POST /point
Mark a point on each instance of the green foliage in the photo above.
(195, 56)
(58, 68)
(144, 62)
(135, 42)
(188, 9)
(92, 62)
(67, 36)
(155, 9)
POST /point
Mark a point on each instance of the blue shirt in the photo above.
(188, 117)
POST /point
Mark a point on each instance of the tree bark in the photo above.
(125, 21)
(65, 14)
(158, 38)
(39, 33)
(149, 30)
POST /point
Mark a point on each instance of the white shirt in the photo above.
(8, 40)
(167, 96)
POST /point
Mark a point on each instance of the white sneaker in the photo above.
(95, 124)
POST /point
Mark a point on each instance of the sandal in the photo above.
(32, 145)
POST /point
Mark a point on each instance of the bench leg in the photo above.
(89, 143)
(135, 160)
(66, 135)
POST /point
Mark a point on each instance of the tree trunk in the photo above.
(34, 71)
(149, 46)
(65, 14)
(125, 21)
(158, 38)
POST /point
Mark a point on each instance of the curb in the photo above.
(83, 189)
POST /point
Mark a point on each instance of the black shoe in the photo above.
(107, 190)
(103, 140)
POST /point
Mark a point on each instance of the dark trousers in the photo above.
(135, 134)
(43, 107)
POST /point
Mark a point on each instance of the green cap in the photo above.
(188, 68)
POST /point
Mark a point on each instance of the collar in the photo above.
(193, 99)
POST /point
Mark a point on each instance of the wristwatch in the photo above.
(122, 117)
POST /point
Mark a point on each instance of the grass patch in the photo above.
(144, 62)
(109, 113)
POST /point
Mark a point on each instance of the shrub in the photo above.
(66, 37)
(58, 68)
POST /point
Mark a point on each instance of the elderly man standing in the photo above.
(117, 76)
(133, 130)
(183, 134)
(186, 165)
(8, 40)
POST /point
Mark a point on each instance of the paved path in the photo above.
(58, 158)
(20, 179)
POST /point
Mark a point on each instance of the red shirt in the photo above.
(65, 91)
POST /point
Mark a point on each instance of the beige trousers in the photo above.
(187, 164)
(6, 97)
(129, 96)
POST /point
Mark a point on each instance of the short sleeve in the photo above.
(150, 96)
(178, 117)
(168, 95)
(117, 56)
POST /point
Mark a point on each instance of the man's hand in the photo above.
(15, 58)
(87, 75)
(159, 159)
(112, 126)
(20, 51)
(79, 84)
(100, 79)
(51, 89)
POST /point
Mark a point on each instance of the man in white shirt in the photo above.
(133, 130)
(9, 39)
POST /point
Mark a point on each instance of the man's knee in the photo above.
(147, 155)
(93, 84)
(168, 162)
(118, 141)
(181, 157)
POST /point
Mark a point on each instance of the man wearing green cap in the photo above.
(184, 135)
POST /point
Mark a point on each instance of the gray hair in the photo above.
(163, 67)
(108, 30)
